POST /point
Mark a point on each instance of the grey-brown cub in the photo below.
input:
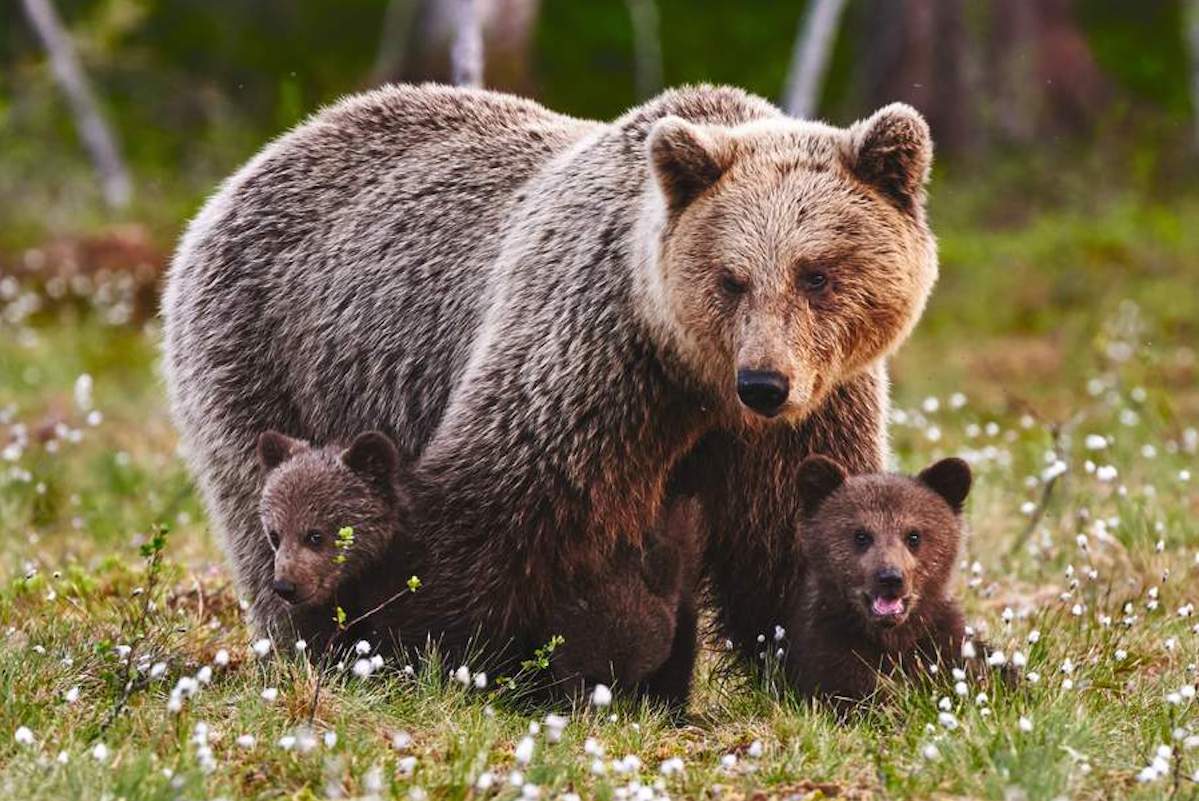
(878, 555)
(310, 494)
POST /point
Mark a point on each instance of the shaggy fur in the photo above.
(879, 551)
(647, 593)
(634, 625)
(554, 313)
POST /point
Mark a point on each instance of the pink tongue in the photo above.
(888, 606)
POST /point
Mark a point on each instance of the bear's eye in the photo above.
(913, 539)
(815, 281)
(733, 285)
(862, 539)
(272, 537)
(313, 538)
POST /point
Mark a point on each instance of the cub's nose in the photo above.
(764, 391)
(889, 580)
(284, 589)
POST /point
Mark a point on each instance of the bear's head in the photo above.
(790, 255)
(329, 513)
(880, 544)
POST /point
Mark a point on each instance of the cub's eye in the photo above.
(815, 281)
(733, 285)
(313, 538)
(863, 539)
(913, 539)
(272, 537)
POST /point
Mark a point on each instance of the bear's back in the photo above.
(367, 228)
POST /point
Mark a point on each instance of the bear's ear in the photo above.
(819, 477)
(274, 449)
(950, 478)
(686, 160)
(892, 150)
(375, 457)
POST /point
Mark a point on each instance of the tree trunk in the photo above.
(393, 43)
(1193, 41)
(466, 50)
(809, 60)
(647, 47)
(95, 133)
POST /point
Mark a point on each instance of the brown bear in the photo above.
(311, 495)
(569, 320)
(879, 551)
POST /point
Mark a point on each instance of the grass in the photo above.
(1068, 336)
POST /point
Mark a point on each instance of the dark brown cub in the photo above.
(878, 553)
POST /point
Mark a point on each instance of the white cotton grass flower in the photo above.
(261, 647)
(406, 766)
(462, 676)
(671, 767)
(362, 647)
(221, 659)
(270, 694)
(755, 749)
(601, 696)
(1106, 473)
(301, 646)
(100, 752)
(246, 741)
(479, 680)
(593, 747)
(996, 659)
(554, 726)
(968, 650)
(23, 735)
(401, 740)
(948, 720)
(363, 668)
(1058, 468)
(728, 761)
(330, 739)
(516, 778)
(524, 750)
(930, 752)
(485, 781)
(1025, 724)
(71, 695)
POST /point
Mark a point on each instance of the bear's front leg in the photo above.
(746, 481)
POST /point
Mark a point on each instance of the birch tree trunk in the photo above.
(809, 60)
(95, 133)
(466, 50)
(647, 47)
(1193, 41)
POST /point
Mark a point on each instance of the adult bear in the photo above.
(565, 318)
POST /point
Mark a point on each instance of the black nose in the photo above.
(284, 589)
(764, 391)
(890, 580)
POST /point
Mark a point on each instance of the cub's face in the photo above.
(792, 254)
(883, 543)
(309, 496)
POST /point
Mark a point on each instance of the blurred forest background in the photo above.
(190, 89)
(1067, 131)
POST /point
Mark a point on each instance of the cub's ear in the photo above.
(893, 151)
(950, 478)
(819, 477)
(375, 457)
(274, 449)
(686, 159)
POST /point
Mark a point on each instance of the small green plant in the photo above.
(345, 541)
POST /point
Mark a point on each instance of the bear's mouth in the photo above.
(887, 610)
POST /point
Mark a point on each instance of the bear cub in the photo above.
(635, 624)
(878, 553)
(309, 495)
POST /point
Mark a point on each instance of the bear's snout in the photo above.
(889, 581)
(763, 391)
(284, 589)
